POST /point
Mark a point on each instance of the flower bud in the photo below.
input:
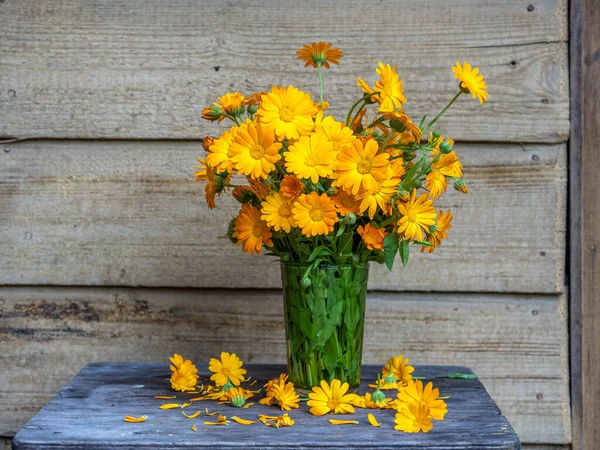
(212, 113)
(333, 190)
(461, 186)
(435, 135)
(285, 257)
(404, 195)
(231, 230)
(243, 194)
(305, 282)
(252, 109)
(445, 147)
(349, 219)
(408, 156)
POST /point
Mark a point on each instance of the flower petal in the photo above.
(236, 419)
(191, 416)
(132, 419)
(164, 397)
(343, 422)
(373, 420)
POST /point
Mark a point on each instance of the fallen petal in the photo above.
(170, 406)
(242, 421)
(194, 427)
(164, 397)
(247, 405)
(192, 416)
(343, 422)
(373, 420)
(132, 419)
(197, 399)
(211, 413)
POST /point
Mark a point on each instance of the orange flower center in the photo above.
(285, 211)
(316, 214)
(286, 114)
(411, 215)
(257, 231)
(332, 403)
(310, 161)
(257, 152)
(363, 167)
(348, 201)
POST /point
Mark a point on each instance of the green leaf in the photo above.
(424, 243)
(404, 251)
(466, 376)
(390, 247)
(422, 121)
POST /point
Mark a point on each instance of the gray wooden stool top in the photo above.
(89, 412)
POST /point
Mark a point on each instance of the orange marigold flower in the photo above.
(319, 54)
(185, 374)
(251, 231)
(291, 186)
(345, 202)
(372, 237)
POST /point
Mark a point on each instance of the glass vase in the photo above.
(324, 316)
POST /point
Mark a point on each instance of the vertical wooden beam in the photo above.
(585, 222)
(575, 209)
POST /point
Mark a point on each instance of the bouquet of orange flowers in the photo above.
(321, 191)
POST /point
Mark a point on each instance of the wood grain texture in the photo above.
(120, 213)
(590, 291)
(575, 214)
(88, 413)
(516, 344)
(145, 69)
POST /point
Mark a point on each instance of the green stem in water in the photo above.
(442, 112)
(320, 84)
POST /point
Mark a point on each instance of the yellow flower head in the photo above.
(232, 103)
(289, 111)
(184, 374)
(414, 392)
(219, 152)
(360, 166)
(389, 85)
(310, 157)
(291, 186)
(417, 215)
(254, 99)
(380, 195)
(214, 183)
(258, 188)
(229, 367)
(471, 81)
(442, 225)
(334, 399)
(277, 212)
(345, 202)
(319, 54)
(436, 184)
(282, 393)
(251, 231)
(400, 369)
(337, 133)
(375, 403)
(254, 150)
(237, 396)
(314, 214)
(413, 418)
(372, 237)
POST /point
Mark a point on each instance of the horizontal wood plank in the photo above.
(88, 413)
(517, 344)
(129, 214)
(145, 69)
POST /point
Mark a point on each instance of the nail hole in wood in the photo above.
(530, 8)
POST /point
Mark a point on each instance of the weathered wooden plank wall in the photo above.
(84, 221)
